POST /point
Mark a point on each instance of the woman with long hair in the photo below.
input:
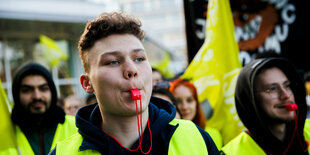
(187, 103)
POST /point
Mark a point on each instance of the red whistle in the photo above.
(135, 93)
(291, 107)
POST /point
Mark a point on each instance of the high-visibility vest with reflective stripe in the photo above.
(185, 140)
(243, 144)
(63, 131)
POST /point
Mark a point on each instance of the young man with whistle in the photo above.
(126, 119)
(271, 102)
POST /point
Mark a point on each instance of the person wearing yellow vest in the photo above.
(187, 103)
(126, 120)
(39, 124)
(271, 102)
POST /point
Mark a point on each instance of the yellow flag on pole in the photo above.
(7, 135)
(215, 68)
(52, 52)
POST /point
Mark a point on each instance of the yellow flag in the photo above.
(7, 135)
(163, 65)
(52, 53)
(215, 68)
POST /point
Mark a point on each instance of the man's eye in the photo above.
(25, 90)
(113, 62)
(140, 59)
(287, 85)
(271, 89)
(44, 88)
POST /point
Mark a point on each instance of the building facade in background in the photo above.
(22, 23)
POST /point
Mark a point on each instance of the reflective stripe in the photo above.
(184, 141)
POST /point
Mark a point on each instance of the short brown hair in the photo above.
(104, 25)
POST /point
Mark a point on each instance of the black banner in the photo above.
(261, 27)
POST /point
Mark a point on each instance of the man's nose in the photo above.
(285, 92)
(37, 93)
(130, 70)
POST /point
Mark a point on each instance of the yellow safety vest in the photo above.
(243, 144)
(185, 140)
(216, 136)
(9, 151)
(63, 131)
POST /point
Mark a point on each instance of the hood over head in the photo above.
(20, 115)
(251, 115)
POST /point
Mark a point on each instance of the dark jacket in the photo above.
(254, 119)
(88, 120)
(35, 126)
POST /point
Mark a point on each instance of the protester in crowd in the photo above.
(91, 98)
(157, 77)
(186, 97)
(60, 102)
(165, 94)
(118, 72)
(38, 122)
(72, 103)
(270, 101)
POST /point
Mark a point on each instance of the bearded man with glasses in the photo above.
(271, 102)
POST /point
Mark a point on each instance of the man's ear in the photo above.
(86, 84)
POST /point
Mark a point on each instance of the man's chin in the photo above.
(284, 120)
(290, 119)
(37, 111)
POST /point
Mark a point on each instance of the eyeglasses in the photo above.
(275, 90)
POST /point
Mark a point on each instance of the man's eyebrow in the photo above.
(119, 52)
(273, 84)
(26, 86)
(43, 85)
(115, 53)
(31, 86)
(138, 50)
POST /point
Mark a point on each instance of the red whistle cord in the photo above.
(293, 108)
(295, 129)
(140, 130)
